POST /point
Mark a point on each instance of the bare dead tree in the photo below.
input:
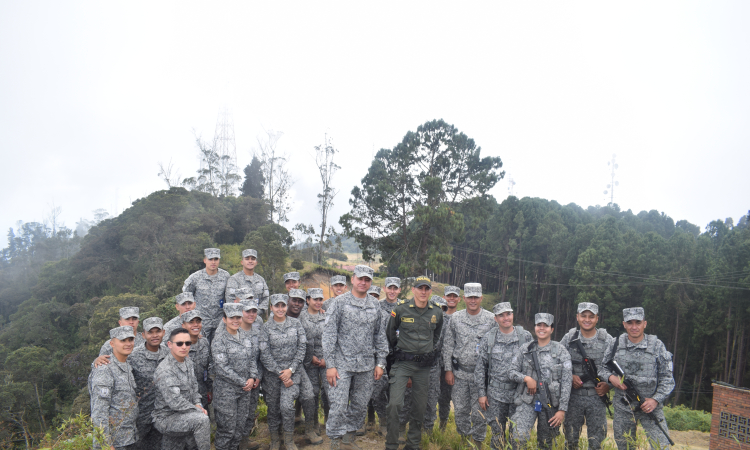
(278, 182)
(169, 174)
(324, 159)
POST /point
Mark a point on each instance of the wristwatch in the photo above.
(382, 366)
(292, 370)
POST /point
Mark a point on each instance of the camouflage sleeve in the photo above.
(565, 340)
(381, 343)
(229, 296)
(449, 342)
(263, 301)
(106, 349)
(195, 395)
(665, 375)
(566, 380)
(310, 346)
(516, 366)
(330, 337)
(602, 370)
(301, 347)
(265, 353)
(483, 358)
(189, 285)
(169, 387)
(102, 389)
(223, 368)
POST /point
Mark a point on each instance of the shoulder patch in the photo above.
(393, 313)
(402, 302)
(407, 319)
(104, 392)
(175, 389)
(434, 319)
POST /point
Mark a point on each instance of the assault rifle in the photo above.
(589, 367)
(542, 390)
(633, 398)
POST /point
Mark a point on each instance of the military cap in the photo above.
(184, 297)
(472, 290)
(291, 276)
(315, 292)
(211, 253)
(374, 290)
(547, 318)
(452, 290)
(393, 281)
(129, 311)
(233, 309)
(153, 322)
(501, 308)
(297, 293)
(249, 252)
(438, 300)
(244, 293)
(361, 270)
(190, 315)
(247, 305)
(276, 298)
(586, 306)
(629, 314)
(338, 279)
(422, 281)
(121, 333)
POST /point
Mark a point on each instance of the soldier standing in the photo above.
(413, 332)
(451, 296)
(178, 413)
(355, 348)
(208, 286)
(647, 363)
(200, 354)
(313, 320)
(374, 291)
(235, 374)
(585, 398)
(380, 390)
(466, 329)
(128, 318)
(556, 374)
(144, 360)
(496, 352)
(249, 279)
(296, 302)
(291, 281)
(184, 302)
(114, 405)
(253, 325)
(338, 286)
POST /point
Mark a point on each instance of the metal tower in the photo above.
(612, 183)
(226, 150)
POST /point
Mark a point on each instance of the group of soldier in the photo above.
(360, 355)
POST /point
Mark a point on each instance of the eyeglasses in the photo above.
(185, 343)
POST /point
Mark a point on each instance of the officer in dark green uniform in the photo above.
(413, 333)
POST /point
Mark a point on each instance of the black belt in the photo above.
(424, 359)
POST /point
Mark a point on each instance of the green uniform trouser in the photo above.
(420, 385)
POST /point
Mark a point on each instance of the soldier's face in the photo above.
(123, 347)
(473, 304)
(316, 304)
(375, 294)
(279, 309)
(154, 336)
(129, 322)
(249, 262)
(233, 323)
(505, 320)
(451, 300)
(635, 328)
(211, 264)
(296, 305)
(249, 316)
(185, 307)
(291, 284)
(338, 289)
(194, 327)
(542, 330)
(180, 347)
(422, 293)
(361, 285)
(587, 320)
(392, 293)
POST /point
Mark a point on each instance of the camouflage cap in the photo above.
(297, 293)
(472, 290)
(422, 281)
(244, 293)
(315, 292)
(211, 253)
(586, 306)
(190, 315)
(247, 305)
(547, 318)
(291, 276)
(501, 308)
(393, 281)
(129, 311)
(452, 290)
(374, 290)
(338, 279)
(249, 252)
(184, 297)
(629, 314)
(279, 298)
(121, 333)
(361, 271)
(153, 322)
(438, 300)
(233, 309)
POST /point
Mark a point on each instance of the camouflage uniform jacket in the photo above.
(500, 386)
(461, 341)
(144, 363)
(313, 325)
(255, 282)
(176, 388)
(595, 349)
(234, 357)
(446, 324)
(208, 291)
(107, 347)
(200, 356)
(283, 346)
(557, 372)
(647, 363)
(354, 337)
(114, 405)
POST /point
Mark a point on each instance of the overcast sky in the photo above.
(94, 95)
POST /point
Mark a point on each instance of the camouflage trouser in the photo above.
(280, 401)
(470, 419)
(433, 393)
(348, 412)
(187, 429)
(593, 410)
(523, 421)
(380, 398)
(149, 438)
(252, 412)
(317, 377)
(231, 405)
(498, 414)
(624, 426)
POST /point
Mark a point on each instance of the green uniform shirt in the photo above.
(415, 330)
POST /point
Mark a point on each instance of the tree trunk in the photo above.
(682, 377)
(39, 402)
(700, 377)
(725, 376)
(740, 364)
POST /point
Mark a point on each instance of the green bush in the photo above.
(298, 264)
(682, 418)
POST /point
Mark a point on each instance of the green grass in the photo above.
(682, 418)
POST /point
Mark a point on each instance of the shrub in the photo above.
(682, 418)
(297, 264)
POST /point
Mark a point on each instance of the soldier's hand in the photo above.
(649, 405)
(449, 378)
(248, 385)
(615, 380)
(257, 383)
(332, 375)
(288, 383)
(602, 389)
(316, 361)
(577, 383)
(111, 447)
(408, 383)
(285, 374)
(200, 408)
(530, 385)
(101, 360)
(557, 419)
(483, 403)
(321, 362)
(378, 373)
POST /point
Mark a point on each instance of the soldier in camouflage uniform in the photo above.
(557, 374)
(313, 320)
(496, 352)
(291, 281)
(253, 325)
(451, 295)
(249, 279)
(296, 303)
(208, 286)
(200, 354)
(114, 405)
(338, 286)
(374, 291)
(144, 360)
(646, 361)
(178, 413)
(283, 344)
(379, 398)
(466, 329)
(353, 342)
(184, 302)
(585, 402)
(128, 318)
(235, 374)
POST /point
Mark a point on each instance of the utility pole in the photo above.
(612, 183)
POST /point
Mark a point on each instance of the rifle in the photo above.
(542, 390)
(633, 398)
(590, 367)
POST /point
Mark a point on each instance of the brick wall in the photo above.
(730, 418)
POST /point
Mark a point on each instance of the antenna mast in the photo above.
(612, 183)
(226, 149)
